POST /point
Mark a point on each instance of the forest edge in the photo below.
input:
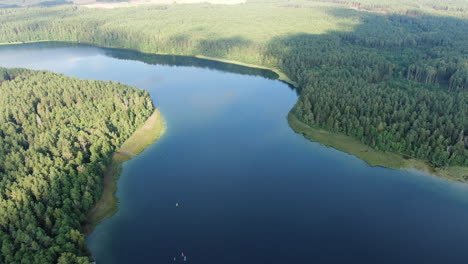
(144, 136)
(340, 142)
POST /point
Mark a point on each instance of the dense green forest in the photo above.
(394, 76)
(397, 82)
(52, 158)
(398, 88)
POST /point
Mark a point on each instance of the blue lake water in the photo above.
(249, 189)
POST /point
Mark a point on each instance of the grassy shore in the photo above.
(144, 136)
(337, 141)
(371, 156)
(281, 75)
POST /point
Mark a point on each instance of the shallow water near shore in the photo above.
(249, 189)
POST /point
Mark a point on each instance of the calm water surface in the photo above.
(249, 189)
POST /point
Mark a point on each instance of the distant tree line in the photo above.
(396, 83)
(420, 61)
(57, 135)
(413, 69)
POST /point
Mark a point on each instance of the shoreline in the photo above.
(372, 157)
(340, 142)
(281, 75)
(153, 128)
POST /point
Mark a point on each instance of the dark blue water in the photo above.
(249, 189)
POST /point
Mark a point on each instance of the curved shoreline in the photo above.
(144, 136)
(372, 157)
(281, 75)
(340, 142)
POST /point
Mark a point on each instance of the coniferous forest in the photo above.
(392, 76)
(397, 81)
(52, 159)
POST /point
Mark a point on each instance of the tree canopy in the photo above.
(395, 76)
(57, 135)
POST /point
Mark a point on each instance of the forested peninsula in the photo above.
(58, 136)
(390, 76)
(384, 80)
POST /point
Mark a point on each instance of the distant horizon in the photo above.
(261, 132)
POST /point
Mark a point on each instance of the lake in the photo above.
(249, 189)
